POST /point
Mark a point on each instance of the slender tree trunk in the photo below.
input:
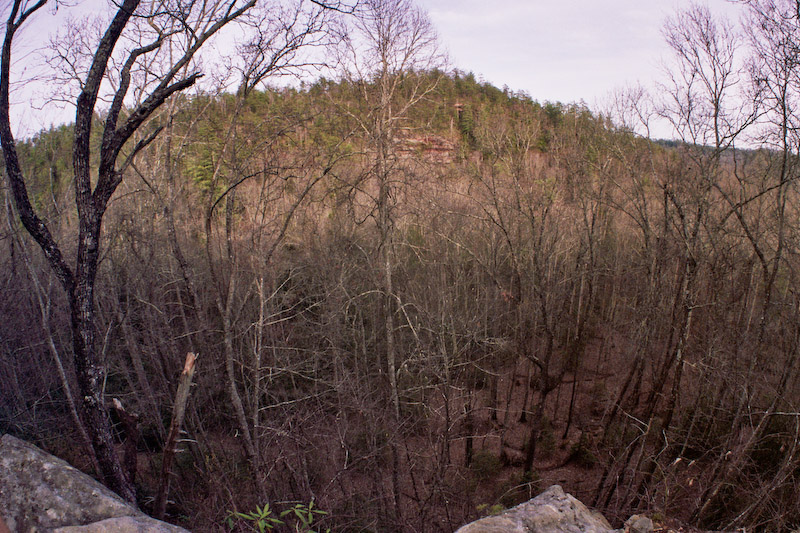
(469, 429)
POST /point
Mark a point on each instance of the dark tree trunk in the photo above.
(79, 283)
(90, 375)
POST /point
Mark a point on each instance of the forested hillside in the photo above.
(415, 297)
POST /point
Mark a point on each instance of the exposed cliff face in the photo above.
(39, 492)
(553, 511)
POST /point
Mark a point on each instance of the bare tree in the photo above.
(760, 203)
(186, 26)
(389, 55)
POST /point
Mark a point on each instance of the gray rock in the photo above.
(551, 511)
(638, 524)
(124, 524)
(39, 492)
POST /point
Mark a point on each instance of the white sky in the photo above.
(562, 50)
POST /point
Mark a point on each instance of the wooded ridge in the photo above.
(415, 297)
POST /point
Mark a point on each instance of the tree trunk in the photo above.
(90, 376)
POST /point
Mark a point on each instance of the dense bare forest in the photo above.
(415, 298)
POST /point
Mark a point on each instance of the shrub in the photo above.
(547, 438)
(581, 454)
(485, 465)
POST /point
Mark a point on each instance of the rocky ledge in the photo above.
(553, 511)
(41, 493)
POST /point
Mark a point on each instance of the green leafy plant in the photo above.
(490, 510)
(261, 519)
(304, 514)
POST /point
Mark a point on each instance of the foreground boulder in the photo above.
(553, 511)
(39, 492)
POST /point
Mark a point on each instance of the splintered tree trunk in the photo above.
(171, 446)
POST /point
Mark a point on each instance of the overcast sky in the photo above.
(563, 50)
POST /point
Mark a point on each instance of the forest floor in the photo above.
(500, 450)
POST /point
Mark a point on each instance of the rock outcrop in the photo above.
(39, 492)
(553, 511)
